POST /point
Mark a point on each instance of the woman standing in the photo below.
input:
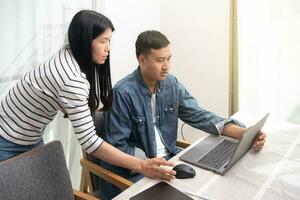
(73, 81)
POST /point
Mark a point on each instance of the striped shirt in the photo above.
(33, 102)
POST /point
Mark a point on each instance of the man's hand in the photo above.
(151, 168)
(236, 132)
(259, 141)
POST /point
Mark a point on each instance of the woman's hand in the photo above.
(152, 168)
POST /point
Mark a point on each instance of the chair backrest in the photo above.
(37, 174)
(99, 121)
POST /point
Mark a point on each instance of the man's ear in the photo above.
(141, 59)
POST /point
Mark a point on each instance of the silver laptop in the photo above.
(220, 153)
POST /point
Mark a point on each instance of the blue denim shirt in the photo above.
(129, 125)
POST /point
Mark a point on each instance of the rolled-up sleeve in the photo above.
(220, 126)
(196, 116)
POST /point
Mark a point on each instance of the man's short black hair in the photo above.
(148, 40)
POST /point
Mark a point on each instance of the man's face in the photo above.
(155, 64)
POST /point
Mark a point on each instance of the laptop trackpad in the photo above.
(196, 152)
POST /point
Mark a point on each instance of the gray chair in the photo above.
(39, 174)
(91, 171)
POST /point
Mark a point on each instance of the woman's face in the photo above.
(100, 46)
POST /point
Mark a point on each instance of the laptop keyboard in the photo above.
(219, 155)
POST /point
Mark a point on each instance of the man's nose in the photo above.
(166, 65)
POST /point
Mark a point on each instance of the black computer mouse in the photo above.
(184, 171)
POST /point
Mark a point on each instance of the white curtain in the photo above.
(269, 57)
(31, 31)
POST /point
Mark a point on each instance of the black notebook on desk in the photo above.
(162, 191)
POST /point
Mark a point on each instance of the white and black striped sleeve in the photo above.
(75, 102)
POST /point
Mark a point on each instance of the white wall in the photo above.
(129, 19)
(199, 34)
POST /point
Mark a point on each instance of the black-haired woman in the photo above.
(73, 81)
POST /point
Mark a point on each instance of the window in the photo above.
(269, 57)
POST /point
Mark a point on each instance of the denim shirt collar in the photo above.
(144, 87)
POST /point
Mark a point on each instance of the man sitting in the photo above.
(146, 106)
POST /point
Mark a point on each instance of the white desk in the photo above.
(273, 173)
